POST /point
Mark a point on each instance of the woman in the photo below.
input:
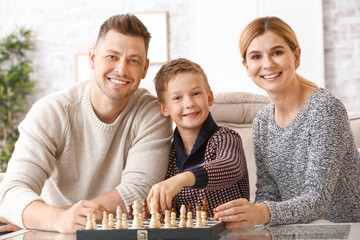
(308, 166)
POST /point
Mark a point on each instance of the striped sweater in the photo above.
(218, 162)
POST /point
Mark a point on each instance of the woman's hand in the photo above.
(242, 213)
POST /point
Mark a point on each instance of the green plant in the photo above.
(15, 86)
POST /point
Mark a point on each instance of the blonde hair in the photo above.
(273, 24)
(171, 69)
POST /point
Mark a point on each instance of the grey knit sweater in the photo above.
(310, 169)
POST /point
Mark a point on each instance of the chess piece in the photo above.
(203, 218)
(154, 220)
(182, 222)
(173, 219)
(89, 224)
(93, 219)
(198, 217)
(167, 220)
(205, 206)
(141, 220)
(105, 224)
(189, 222)
(145, 215)
(118, 218)
(125, 225)
(131, 216)
(136, 212)
(189, 209)
(111, 220)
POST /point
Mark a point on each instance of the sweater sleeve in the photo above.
(33, 159)
(328, 131)
(148, 157)
(227, 167)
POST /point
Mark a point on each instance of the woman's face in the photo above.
(271, 63)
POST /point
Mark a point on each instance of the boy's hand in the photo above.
(165, 191)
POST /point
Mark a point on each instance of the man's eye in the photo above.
(111, 57)
(134, 61)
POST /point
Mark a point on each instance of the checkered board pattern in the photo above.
(211, 232)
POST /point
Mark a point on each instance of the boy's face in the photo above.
(186, 101)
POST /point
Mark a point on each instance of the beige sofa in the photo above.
(237, 110)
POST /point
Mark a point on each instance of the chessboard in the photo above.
(211, 231)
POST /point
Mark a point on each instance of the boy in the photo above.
(206, 161)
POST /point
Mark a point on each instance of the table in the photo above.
(350, 231)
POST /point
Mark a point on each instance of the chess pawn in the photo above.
(145, 215)
(141, 220)
(131, 216)
(105, 224)
(182, 222)
(189, 222)
(124, 221)
(173, 219)
(93, 219)
(154, 214)
(203, 218)
(111, 221)
(167, 220)
(118, 218)
(198, 219)
(89, 224)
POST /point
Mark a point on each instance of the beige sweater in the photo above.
(66, 154)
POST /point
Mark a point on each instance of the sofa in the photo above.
(237, 110)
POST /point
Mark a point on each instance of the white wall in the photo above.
(205, 31)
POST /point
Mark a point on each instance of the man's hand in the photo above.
(242, 213)
(165, 191)
(71, 219)
(8, 227)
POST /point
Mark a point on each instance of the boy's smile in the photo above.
(187, 102)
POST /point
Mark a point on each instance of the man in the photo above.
(92, 147)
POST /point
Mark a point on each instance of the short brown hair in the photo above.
(126, 24)
(171, 69)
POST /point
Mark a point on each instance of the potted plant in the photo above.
(15, 86)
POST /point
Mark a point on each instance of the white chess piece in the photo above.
(167, 220)
(198, 220)
(173, 219)
(136, 211)
(154, 211)
(182, 222)
(105, 224)
(189, 222)
(111, 221)
(203, 218)
(89, 224)
(93, 219)
(118, 218)
(125, 225)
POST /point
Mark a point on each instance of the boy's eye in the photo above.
(176, 98)
(197, 93)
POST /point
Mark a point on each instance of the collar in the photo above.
(197, 154)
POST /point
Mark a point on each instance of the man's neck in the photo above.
(106, 109)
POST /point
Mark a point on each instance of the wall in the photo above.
(342, 51)
(64, 28)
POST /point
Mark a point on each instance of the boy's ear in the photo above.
(210, 98)
(163, 109)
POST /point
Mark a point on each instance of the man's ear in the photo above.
(163, 109)
(145, 68)
(210, 98)
(92, 57)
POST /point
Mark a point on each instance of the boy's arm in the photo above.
(165, 191)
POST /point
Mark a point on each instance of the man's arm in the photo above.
(57, 219)
(110, 201)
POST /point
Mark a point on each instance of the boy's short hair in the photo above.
(171, 69)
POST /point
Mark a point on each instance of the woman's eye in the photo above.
(255, 57)
(276, 53)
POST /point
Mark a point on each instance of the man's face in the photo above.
(120, 63)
